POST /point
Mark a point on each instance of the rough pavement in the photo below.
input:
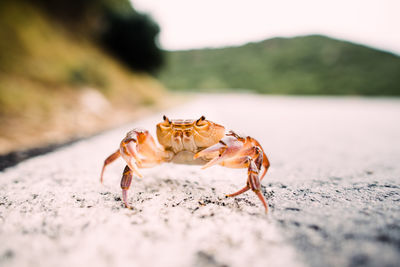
(333, 191)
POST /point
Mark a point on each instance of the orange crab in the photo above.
(200, 142)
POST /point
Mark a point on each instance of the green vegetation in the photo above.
(302, 65)
(57, 83)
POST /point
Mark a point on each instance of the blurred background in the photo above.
(72, 68)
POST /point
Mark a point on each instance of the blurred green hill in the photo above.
(301, 65)
(59, 78)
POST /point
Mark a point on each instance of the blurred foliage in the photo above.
(46, 71)
(127, 34)
(302, 65)
(139, 50)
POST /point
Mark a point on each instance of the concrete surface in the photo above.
(333, 191)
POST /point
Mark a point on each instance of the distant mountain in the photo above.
(302, 65)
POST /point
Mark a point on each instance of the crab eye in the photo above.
(201, 122)
(166, 124)
(166, 120)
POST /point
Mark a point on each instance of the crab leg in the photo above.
(139, 150)
(253, 180)
(260, 160)
(125, 184)
(265, 161)
(239, 163)
(265, 164)
(234, 151)
(109, 160)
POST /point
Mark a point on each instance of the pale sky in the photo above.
(188, 24)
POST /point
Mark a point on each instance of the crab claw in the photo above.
(222, 150)
(215, 152)
(129, 154)
(211, 152)
(132, 165)
(131, 147)
(212, 162)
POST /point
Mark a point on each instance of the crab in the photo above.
(198, 142)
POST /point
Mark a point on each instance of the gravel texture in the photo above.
(333, 191)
